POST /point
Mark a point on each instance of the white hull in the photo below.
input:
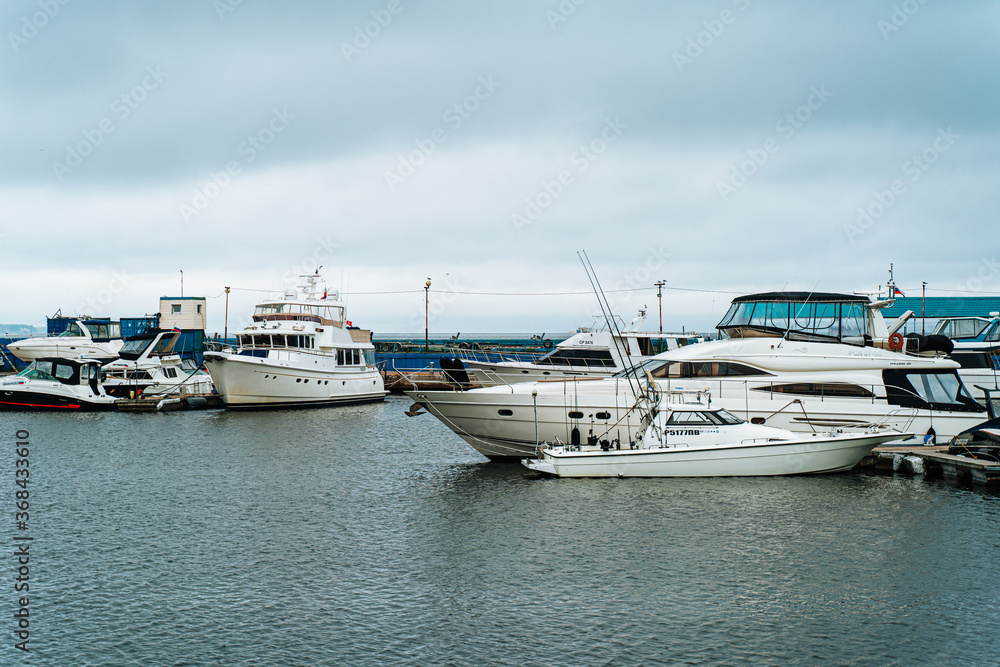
(811, 454)
(291, 379)
(476, 415)
(67, 348)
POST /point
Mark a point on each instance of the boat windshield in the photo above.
(702, 418)
(38, 370)
(104, 329)
(727, 417)
(960, 328)
(72, 329)
(575, 357)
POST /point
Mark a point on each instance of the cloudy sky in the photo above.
(724, 146)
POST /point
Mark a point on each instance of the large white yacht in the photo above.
(84, 338)
(299, 351)
(591, 352)
(804, 362)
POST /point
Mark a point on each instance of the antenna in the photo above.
(602, 301)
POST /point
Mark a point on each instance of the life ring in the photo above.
(896, 341)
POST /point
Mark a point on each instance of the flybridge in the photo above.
(821, 316)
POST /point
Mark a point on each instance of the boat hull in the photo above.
(250, 383)
(809, 455)
(500, 422)
(28, 400)
(29, 349)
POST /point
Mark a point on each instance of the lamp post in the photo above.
(659, 296)
(923, 308)
(427, 289)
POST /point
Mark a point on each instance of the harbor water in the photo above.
(359, 536)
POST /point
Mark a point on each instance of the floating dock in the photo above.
(169, 403)
(933, 461)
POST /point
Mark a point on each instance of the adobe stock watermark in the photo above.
(642, 276)
(364, 34)
(121, 108)
(323, 251)
(223, 7)
(116, 285)
(899, 17)
(562, 12)
(698, 43)
(913, 169)
(249, 149)
(786, 127)
(455, 116)
(439, 301)
(31, 25)
(580, 159)
(986, 272)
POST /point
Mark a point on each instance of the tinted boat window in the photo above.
(689, 418)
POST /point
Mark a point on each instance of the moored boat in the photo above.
(300, 351)
(68, 385)
(689, 438)
(83, 338)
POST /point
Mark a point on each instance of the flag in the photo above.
(177, 330)
(350, 323)
(324, 295)
(897, 292)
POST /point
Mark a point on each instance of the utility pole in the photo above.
(923, 305)
(659, 297)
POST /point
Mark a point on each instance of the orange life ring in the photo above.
(896, 341)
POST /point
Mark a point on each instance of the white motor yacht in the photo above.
(84, 338)
(149, 366)
(977, 348)
(687, 437)
(588, 353)
(803, 362)
(300, 351)
(67, 385)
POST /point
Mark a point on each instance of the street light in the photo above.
(225, 326)
(427, 289)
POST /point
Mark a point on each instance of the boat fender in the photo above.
(896, 341)
(931, 437)
(547, 344)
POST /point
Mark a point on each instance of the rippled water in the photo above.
(358, 536)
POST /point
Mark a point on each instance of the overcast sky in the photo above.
(725, 146)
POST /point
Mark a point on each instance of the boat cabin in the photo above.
(100, 331)
(970, 329)
(816, 316)
(327, 315)
(64, 371)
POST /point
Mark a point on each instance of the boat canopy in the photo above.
(819, 316)
(978, 329)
